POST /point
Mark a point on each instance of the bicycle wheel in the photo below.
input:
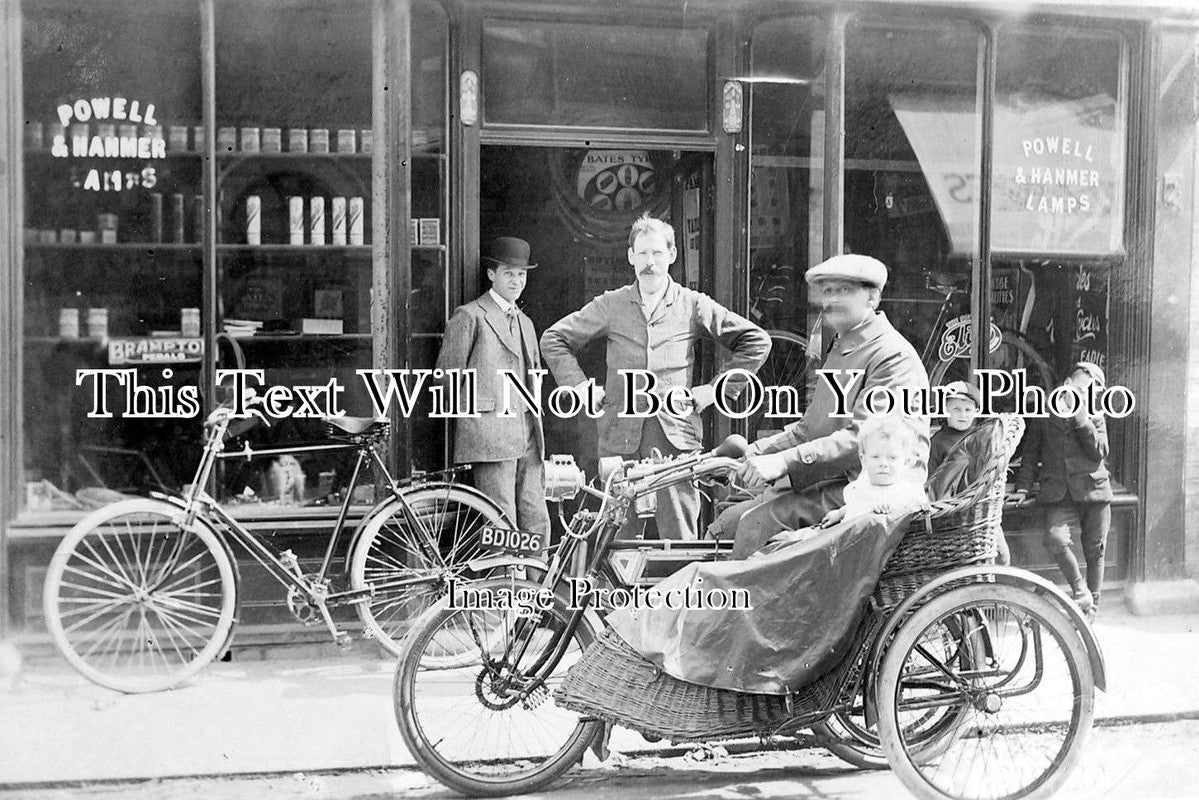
(787, 366)
(858, 741)
(135, 602)
(1014, 352)
(406, 561)
(1028, 706)
(491, 728)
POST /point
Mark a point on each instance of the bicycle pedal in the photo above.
(344, 640)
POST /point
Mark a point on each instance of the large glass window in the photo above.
(428, 308)
(598, 76)
(786, 200)
(112, 249)
(913, 138)
(293, 149)
(1057, 215)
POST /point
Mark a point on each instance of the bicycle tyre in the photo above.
(991, 732)
(859, 744)
(129, 557)
(434, 707)
(786, 365)
(390, 549)
(1015, 350)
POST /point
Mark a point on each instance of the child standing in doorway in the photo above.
(1069, 459)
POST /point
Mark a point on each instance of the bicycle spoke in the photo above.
(137, 604)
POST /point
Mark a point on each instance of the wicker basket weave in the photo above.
(613, 682)
(956, 532)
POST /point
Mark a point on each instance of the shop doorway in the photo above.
(574, 206)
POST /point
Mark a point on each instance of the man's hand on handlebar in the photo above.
(761, 470)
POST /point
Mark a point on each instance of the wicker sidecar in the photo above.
(969, 680)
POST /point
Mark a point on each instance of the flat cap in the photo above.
(963, 389)
(1091, 369)
(852, 267)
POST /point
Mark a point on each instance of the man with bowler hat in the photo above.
(490, 334)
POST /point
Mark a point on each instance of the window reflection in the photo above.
(111, 98)
(913, 127)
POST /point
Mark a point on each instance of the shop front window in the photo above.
(293, 149)
(428, 308)
(1057, 216)
(786, 194)
(597, 76)
(112, 262)
(913, 139)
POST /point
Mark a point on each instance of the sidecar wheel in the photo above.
(1032, 693)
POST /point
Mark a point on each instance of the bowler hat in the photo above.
(850, 267)
(507, 251)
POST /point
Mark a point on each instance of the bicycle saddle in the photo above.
(357, 426)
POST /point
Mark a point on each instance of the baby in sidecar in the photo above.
(887, 447)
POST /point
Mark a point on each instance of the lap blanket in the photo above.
(808, 598)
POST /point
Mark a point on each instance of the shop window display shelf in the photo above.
(150, 248)
(277, 249)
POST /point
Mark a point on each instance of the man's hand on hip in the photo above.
(703, 396)
(581, 391)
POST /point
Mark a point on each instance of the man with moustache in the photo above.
(805, 467)
(653, 324)
(487, 335)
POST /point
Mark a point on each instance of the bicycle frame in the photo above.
(600, 529)
(284, 567)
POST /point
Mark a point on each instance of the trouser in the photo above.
(750, 524)
(677, 506)
(518, 486)
(1093, 521)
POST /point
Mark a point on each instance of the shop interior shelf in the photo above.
(44, 152)
(275, 249)
(150, 248)
(237, 154)
(275, 338)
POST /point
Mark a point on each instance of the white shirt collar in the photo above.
(500, 301)
(650, 302)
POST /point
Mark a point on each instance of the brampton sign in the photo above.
(79, 140)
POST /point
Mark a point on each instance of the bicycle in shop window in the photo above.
(946, 352)
(143, 593)
(953, 666)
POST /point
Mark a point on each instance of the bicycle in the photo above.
(141, 594)
(957, 663)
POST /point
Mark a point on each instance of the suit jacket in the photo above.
(664, 344)
(1068, 456)
(823, 447)
(477, 337)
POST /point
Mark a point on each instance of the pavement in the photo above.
(334, 712)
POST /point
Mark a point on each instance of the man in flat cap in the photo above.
(807, 465)
(653, 324)
(487, 335)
